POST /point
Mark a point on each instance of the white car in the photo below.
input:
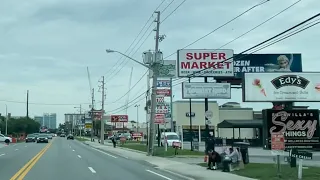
(5, 139)
(170, 137)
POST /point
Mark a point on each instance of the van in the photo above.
(170, 137)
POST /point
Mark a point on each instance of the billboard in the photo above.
(259, 63)
(205, 62)
(119, 118)
(300, 127)
(281, 87)
(198, 90)
(166, 70)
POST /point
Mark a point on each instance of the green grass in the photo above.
(269, 172)
(80, 139)
(160, 151)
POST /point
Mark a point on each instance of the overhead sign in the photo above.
(164, 83)
(289, 86)
(119, 118)
(198, 90)
(166, 70)
(300, 127)
(205, 63)
(192, 114)
(164, 92)
(277, 142)
(208, 114)
(159, 119)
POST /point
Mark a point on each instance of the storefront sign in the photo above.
(198, 90)
(273, 87)
(119, 118)
(205, 63)
(164, 92)
(164, 83)
(159, 119)
(300, 127)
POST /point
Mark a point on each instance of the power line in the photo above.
(173, 10)
(274, 37)
(223, 25)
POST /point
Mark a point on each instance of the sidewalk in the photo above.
(167, 165)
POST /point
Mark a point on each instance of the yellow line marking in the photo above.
(14, 177)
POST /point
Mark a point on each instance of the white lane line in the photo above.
(176, 174)
(73, 150)
(2, 154)
(104, 153)
(92, 170)
(164, 177)
(79, 156)
(16, 149)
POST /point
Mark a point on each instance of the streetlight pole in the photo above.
(137, 106)
(80, 110)
(6, 119)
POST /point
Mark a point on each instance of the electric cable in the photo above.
(173, 10)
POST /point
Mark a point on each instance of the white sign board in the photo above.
(166, 70)
(209, 114)
(197, 90)
(205, 63)
(121, 125)
(163, 108)
(160, 99)
(285, 86)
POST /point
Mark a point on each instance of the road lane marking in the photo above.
(160, 175)
(14, 177)
(92, 170)
(2, 154)
(79, 156)
(104, 153)
(176, 174)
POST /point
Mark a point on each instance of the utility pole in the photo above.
(137, 106)
(92, 108)
(27, 104)
(6, 119)
(80, 124)
(154, 67)
(102, 109)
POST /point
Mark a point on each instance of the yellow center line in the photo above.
(27, 167)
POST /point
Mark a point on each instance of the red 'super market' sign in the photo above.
(205, 63)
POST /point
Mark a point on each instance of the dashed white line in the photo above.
(79, 156)
(160, 175)
(16, 149)
(176, 174)
(92, 170)
(104, 153)
(2, 154)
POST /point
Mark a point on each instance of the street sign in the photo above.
(277, 141)
(193, 114)
(301, 154)
(208, 114)
(163, 83)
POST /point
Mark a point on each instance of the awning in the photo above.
(240, 124)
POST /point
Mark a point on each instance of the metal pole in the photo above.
(27, 104)
(92, 107)
(6, 119)
(147, 105)
(171, 106)
(190, 119)
(206, 108)
(80, 120)
(102, 109)
(154, 90)
(137, 117)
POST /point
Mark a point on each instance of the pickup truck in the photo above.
(5, 139)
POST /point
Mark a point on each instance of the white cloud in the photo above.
(45, 46)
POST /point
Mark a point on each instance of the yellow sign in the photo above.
(88, 126)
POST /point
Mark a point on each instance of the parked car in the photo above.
(30, 138)
(62, 135)
(5, 139)
(42, 138)
(70, 136)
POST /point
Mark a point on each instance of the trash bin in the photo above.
(243, 146)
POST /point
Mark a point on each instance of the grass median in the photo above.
(269, 172)
(160, 151)
(80, 138)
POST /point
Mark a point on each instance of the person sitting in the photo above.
(214, 159)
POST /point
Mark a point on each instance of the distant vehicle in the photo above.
(70, 136)
(170, 137)
(31, 138)
(42, 138)
(49, 136)
(5, 139)
(62, 135)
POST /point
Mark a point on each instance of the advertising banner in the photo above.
(198, 90)
(119, 118)
(164, 92)
(159, 119)
(163, 108)
(163, 83)
(205, 63)
(300, 127)
(281, 87)
(166, 70)
(160, 99)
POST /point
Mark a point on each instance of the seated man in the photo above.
(214, 159)
(231, 160)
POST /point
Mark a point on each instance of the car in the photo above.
(30, 138)
(70, 136)
(5, 139)
(62, 135)
(49, 136)
(42, 138)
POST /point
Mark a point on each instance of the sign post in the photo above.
(300, 154)
(277, 146)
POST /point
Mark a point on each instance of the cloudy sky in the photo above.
(45, 46)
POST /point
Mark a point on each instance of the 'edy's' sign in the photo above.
(286, 86)
(300, 127)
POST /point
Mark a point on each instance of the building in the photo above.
(48, 120)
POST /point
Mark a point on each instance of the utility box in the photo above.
(147, 57)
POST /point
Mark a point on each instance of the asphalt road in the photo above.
(67, 159)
